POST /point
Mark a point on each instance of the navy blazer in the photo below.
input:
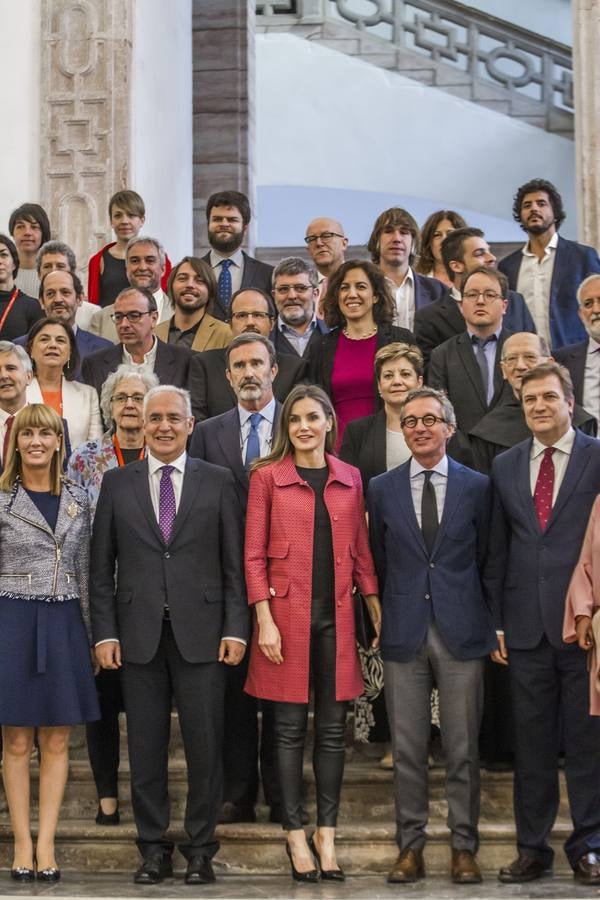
(573, 263)
(528, 571)
(447, 586)
(427, 290)
(255, 274)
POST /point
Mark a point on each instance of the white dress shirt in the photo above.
(534, 281)
(149, 357)
(439, 480)
(236, 269)
(562, 452)
(404, 297)
(591, 379)
(265, 428)
(155, 474)
(164, 305)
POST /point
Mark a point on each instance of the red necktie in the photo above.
(544, 488)
(9, 425)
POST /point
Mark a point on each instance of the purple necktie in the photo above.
(166, 503)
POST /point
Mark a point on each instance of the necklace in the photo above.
(365, 334)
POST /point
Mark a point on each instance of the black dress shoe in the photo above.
(231, 812)
(587, 869)
(523, 868)
(199, 871)
(156, 867)
(326, 874)
(310, 877)
(48, 875)
(103, 818)
(22, 874)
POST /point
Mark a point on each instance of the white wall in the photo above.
(330, 122)
(161, 168)
(20, 55)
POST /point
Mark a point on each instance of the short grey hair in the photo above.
(20, 352)
(584, 284)
(146, 239)
(172, 389)
(294, 265)
(55, 247)
(433, 394)
(251, 337)
(148, 379)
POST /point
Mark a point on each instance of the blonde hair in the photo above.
(35, 415)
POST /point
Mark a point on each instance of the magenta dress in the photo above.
(352, 380)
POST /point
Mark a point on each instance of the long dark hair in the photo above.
(383, 309)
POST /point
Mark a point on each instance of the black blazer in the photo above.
(199, 574)
(217, 441)
(211, 392)
(322, 355)
(282, 345)
(573, 357)
(256, 274)
(171, 365)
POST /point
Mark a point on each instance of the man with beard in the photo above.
(548, 269)
(295, 291)
(212, 394)
(583, 359)
(193, 291)
(228, 216)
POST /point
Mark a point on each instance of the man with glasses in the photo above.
(134, 317)
(326, 243)
(428, 522)
(296, 291)
(583, 359)
(212, 394)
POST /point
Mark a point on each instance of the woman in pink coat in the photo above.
(306, 549)
(583, 599)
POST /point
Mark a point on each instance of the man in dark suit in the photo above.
(467, 366)
(233, 439)
(544, 489)
(583, 359)
(296, 291)
(135, 316)
(172, 529)
(228, 216)
(428, 521)
(463, 250)
(252, 311)
(548, 269)
(393, 245)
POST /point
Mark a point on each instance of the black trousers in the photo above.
(103, 736)
(199, 690)
(329, 745)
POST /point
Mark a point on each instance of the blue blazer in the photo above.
(427, 290)
(447, 586)
(572, 264)
(528, 571)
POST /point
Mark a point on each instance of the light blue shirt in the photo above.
(490, 356)
(439, 480)
(265, 428)
(298, 341)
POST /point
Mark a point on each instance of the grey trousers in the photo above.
(407, 695)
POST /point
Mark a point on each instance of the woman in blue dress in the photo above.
(46, 676)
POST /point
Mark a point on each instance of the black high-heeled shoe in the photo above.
(22, 874)
(103, 818)
(309, 877)
(326, 874)
(49, 875)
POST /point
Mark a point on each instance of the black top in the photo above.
(47, 505)
(113, 279)
(130, 454)
(24, 313)
(182, 338)
(323, 583)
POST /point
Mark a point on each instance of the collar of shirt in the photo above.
(441, 467)
(551, 245)
(409, 279)
(155, 464)
(472, 334)
(456, 294)
(6, 415)
(149, 357)
(564, 444)
(284, 327)
(216, 258)
(267, 412)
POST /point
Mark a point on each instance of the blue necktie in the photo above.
(253, 445)
(225, 285)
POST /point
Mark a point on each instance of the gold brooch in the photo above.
(72, 510)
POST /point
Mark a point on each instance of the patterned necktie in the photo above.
(429, 514)
(166, 503)
(225, 285)
(478, 349)
(253, 444)
(9, 425)
(544, 488)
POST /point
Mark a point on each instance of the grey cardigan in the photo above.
(41, 565)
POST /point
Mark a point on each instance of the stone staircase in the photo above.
(366, 825)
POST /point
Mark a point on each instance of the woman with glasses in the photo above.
(122, 401)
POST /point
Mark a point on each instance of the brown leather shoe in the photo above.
(587, 869)
(523, 868)
(464, 868)
(408, 867)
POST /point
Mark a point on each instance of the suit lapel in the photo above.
(164, 362)
(467, 357)
(141, 488)
(523, 476)
(189, 489)
(454, 489)
(379, 443)
(576, 466)
(401, 482)
(228, 437)
(560, 264)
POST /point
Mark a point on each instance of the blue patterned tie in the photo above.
(166, 503)
(253, 445)
(225, 285)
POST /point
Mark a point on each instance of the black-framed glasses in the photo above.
(138, 399)
(488, 296)
(428, 420)
(296, 288)
(133, 316)
(324, 236)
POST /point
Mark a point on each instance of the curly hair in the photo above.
(531, 187)
(384, 307)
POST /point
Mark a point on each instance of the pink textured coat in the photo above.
(583, 598)
(279, 549)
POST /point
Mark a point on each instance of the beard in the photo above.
(225, 242)
(593, 329)
(189, 306)
(295, 315)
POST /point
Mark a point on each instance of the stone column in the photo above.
(86, 85)
(586, 73)
(223, 35)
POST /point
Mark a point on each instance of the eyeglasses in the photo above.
(428, 420)
(532, 359)
(488, 296)
(296, 288)
(138, 399)
(324, 236)
(242, 316)
(133, 316)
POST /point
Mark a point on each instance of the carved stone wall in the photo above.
(86, 112)
(586, 38)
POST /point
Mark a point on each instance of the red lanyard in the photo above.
(11, 303)
(119, 454)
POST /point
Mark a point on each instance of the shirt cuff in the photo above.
(108, 641)
(228, 637)
(499, 632)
